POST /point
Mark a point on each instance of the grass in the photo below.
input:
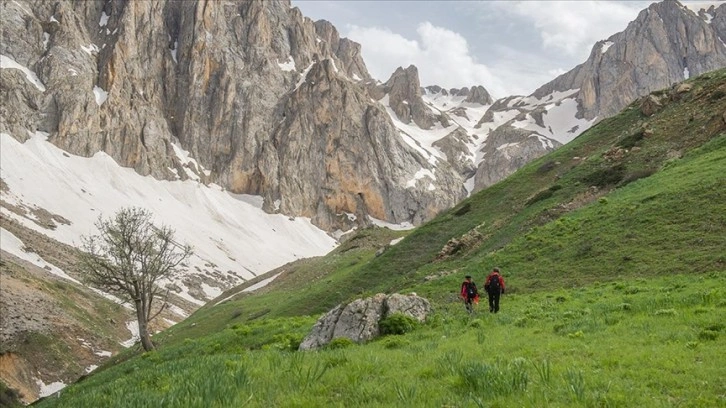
(576, 347)
(615, 293)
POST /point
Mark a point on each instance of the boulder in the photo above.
(650, 105)
(359, 320)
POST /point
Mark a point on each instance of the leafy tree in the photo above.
(128, 258)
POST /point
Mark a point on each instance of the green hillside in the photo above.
(613, 248)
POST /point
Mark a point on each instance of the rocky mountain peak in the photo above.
(665, 44)
(404, 92)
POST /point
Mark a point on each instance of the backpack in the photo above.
(494, 284)
(471, 289)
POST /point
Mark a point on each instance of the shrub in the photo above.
(476, 323)
(395, 342)
(636, 175)
(605, 177)
(397, 323)
(9, 397)
(463, 209)
(717, 95)
(632, 140)
(543, 195)
(339, 343)
(708, 334)
(546, 167)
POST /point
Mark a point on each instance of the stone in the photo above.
(359, 320)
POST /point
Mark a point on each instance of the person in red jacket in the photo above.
(494, 286)
(469, 293)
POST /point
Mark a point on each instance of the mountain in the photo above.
(665, 44)
(612, 252)
(253, 91)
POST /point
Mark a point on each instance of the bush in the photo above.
(395, 342)
(9, 397)
(397, 323)
(708, 334)
(632, 140)
(544, 194)
(717, 95)
(339, 343)
(605, 177)
(546, 167)
(636, 175)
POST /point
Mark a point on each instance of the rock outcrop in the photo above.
(359, 320)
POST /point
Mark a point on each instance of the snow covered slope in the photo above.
(465, 140)
(233, 239)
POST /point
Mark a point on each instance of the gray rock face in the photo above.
(509, 148)
(665, 44)
(454, 146)
(479, 94)
(359, 320)
(228, 82)
(404, 93)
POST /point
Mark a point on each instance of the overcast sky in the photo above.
(510, 47)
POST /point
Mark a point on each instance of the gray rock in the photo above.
(359, 320)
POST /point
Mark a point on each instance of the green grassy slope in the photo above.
(614, 252)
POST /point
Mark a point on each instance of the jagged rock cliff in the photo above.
(665, 44)
(230, 82)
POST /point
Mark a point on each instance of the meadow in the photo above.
(649, 342)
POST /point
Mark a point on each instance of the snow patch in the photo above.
(606, 46)
(133, 327)
(49, 389)
(13, 245)
(303, 76)
(396, 227)
(211, 291)
(91, 50)
(104, 19)
(100, 95)
(419, 175)
(9, 63)
(396, 241)
(288, 65)
(686, 73)
(174, 50)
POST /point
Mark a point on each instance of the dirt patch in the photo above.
(17, 374)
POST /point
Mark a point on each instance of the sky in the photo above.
(509, 47)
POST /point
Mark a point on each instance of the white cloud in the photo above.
(573, 27)
(442, 56)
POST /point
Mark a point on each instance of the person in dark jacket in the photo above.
(469, 293)
(494, 286)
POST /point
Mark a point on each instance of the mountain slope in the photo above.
(528, 221)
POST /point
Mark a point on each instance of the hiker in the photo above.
(469, 293)
(494, 286)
